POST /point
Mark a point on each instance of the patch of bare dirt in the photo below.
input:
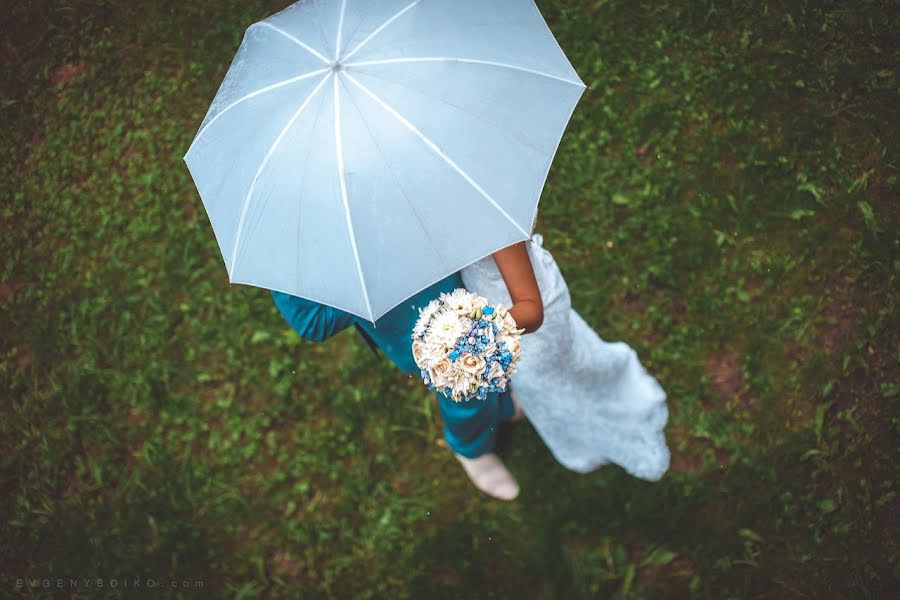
(717, 124)
(7, 289)
(682, 462)
(285, 565)
(188, 212)
(673, 566)
(724, 371)
(23, 357)
(634, 303)
(838, 327)
(754, 288)
(731, 162)
(402, 487)
(692, 460)
(446, 575)
(64, 74)
(136, 417)
(130, 151)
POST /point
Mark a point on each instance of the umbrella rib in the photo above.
(343, 181)
(391, 61)
(303, 45)
(390, 168)
(337, 43)
(434, 148)
(262, 165)
(258, 92)
(462, 109)
(384, 25)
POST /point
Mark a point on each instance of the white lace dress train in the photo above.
(591, 401)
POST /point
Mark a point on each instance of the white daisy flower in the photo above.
(445, 328)
(434, 350)
(425, 315)
(459, 299)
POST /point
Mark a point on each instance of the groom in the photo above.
(470, 428)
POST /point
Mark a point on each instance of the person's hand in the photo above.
(515, 267)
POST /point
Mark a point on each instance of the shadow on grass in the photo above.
(737, 528)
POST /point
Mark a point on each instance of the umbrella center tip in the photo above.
(335, 65)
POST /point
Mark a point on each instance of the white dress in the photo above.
(591, 401)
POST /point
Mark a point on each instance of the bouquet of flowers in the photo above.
(465, 347)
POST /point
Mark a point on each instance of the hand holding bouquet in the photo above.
(465, 347)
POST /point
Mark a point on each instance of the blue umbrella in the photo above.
(360, 150)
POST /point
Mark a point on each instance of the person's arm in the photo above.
(515, 267)
(311, 320)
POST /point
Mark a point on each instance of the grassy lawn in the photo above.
(724, 200)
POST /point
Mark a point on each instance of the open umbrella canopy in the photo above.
(360, 150)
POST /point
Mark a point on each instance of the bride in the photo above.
(591, 401)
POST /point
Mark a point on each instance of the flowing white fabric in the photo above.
(591, 401)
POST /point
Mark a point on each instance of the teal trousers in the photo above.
(470, 428)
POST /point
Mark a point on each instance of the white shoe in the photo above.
(519, 414)
(490, 475)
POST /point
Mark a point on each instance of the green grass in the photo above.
(724, 200)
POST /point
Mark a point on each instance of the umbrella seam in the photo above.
(300, 254)
(250, 96)
(434, 148)
(262, 165)
(388, 61)
(337, 42)
(339, 147)
(508, 133)
(396, 178)
(362, 14)
(381, 28)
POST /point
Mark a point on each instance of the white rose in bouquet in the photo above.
(440, 372)
(515, 347)
(472, 364)
(420, 353)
